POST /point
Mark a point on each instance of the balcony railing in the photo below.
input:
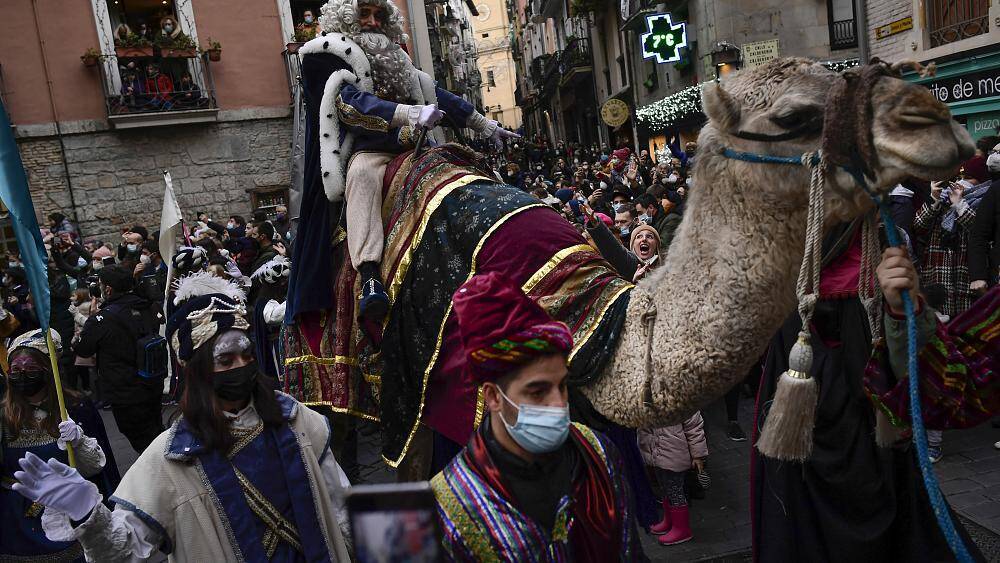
(576, 56)
(538, 68)
(146, 92)
(954, 20)
(843, 35)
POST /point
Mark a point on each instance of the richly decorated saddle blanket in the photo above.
(446, 219)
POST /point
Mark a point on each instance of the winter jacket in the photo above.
(111, 334)
(984, 238)
(674, 447)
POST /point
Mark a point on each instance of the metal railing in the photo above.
(133, 91)
(575, 55)
(955, 20)
(843, 34)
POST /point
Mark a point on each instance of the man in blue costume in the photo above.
(365, 100)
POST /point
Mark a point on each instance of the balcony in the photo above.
(142, 91)
(550, 72)
(950, 21)
(843, 35)
(537, 70)
(574, 60)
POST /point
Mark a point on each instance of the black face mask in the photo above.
(27, 383)
(236, 384)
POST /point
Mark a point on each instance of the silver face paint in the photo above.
(232, 349)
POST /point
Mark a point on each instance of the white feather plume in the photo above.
(204, 283)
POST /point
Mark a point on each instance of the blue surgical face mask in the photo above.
(132, 247)
(625, 231)
(538, 430)
(645, 218)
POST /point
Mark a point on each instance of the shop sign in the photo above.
(893, 28)
(759, 52)
(664, 39)
(614, 112)
(974, 86)
(983, 125)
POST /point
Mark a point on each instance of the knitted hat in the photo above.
(640, 229)
(190, 258)
(502, 329)
(207, 305)
(564, 195)
(605, 219)
(273, 271)
(975, 168)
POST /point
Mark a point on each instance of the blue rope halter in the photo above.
(938, 504)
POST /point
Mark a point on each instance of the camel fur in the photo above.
(696, 325)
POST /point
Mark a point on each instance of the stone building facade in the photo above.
(117, 177)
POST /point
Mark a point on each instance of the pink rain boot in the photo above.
(663, 526)
(680, 532)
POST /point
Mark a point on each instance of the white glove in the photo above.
(499, 134)
(429, 116)
(57, 486)
(70, 432)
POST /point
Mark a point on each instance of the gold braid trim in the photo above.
(354, 118)
(405, 137)
(277, 524)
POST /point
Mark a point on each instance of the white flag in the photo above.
(170, 228)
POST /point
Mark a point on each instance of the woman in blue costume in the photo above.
(31, 424)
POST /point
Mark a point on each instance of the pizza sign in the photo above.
(664, 39)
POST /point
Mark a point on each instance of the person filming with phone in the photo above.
(527, 465)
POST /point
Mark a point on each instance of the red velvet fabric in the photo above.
(502, 329)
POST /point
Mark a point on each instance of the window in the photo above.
(490, 79)
(951, 20)
(485, 35)
(304, 31)
(497, 116)
(843, 29)
(151, 63)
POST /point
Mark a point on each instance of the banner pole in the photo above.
(59, 392)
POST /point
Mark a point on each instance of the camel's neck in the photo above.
(727, 285)
(729, 278)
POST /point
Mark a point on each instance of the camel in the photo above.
(694, 327)
(684, 336)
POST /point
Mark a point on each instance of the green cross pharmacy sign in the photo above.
(664, 39)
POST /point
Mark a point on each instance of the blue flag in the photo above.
(14, 193)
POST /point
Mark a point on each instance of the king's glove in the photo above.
(500, 134)
(428, 116)
(69, 432)
(57, 486)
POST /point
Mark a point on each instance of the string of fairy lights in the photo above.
(681, 105)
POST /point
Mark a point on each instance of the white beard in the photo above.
(392, 70)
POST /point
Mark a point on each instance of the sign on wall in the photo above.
(973, 86)
(614, 112)
(664, 39)
(892, 28)
(759, 52)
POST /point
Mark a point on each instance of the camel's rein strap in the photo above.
(938, 504)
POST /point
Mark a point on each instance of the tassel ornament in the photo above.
(788, 429)
(787, 433)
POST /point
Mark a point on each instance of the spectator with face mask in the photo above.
(652, 213)
(944, 222)
(70, 257)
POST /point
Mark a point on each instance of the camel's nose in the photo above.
(918, 107)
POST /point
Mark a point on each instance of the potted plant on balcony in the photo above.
(303, 34)
(133, 45)
(179, 47)
(90, 57)
(214, 50)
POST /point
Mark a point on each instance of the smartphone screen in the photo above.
(394, 522)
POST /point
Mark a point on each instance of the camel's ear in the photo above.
(720, 107)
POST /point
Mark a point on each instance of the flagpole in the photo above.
(54, 360)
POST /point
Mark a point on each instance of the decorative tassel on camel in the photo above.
(788, 428)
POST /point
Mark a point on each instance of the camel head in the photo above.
(893, 129)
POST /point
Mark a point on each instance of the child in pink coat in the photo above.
(672, 451)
